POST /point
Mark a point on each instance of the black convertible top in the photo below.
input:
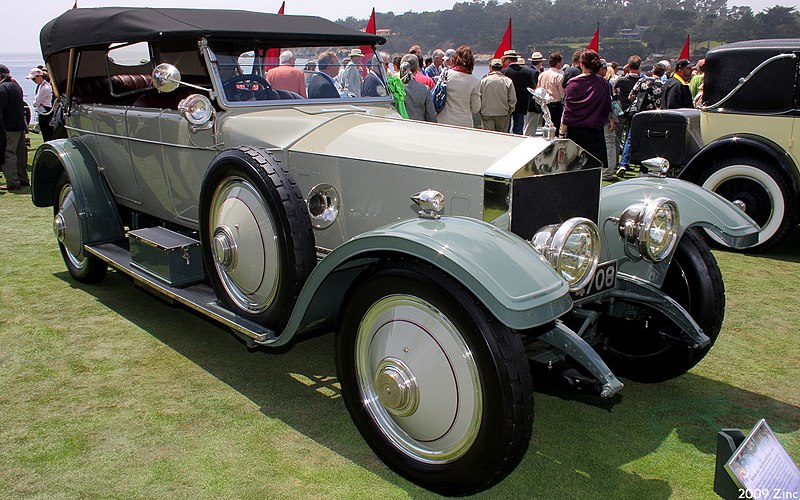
(773, 89)
(106, 25)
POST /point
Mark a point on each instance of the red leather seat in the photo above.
(98, 90)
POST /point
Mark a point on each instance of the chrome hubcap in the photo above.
(418, 379)
(224, 247)
(60, 228)
(397, 390)
(70, 239)
(244, 245)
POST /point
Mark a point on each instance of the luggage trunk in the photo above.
(673, 134)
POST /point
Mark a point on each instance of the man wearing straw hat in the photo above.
(351, 78)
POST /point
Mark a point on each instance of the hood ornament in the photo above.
(542, 98)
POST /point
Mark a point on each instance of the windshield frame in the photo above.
(223, 101)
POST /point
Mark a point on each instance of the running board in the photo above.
(199, 297)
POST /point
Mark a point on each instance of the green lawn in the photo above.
(108, 391)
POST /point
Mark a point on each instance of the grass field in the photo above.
(107, 391)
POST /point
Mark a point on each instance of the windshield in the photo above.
(248, 74)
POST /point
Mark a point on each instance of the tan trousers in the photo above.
(496, 123)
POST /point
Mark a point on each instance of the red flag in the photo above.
(367, 49)
(75, 5)
(273, 54)
(685, 51)
(594, 44)
(505, 43)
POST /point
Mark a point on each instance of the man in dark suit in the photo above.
(374, 85)
(13, 115)
(323, 85)
(676, 90)
(522, 78)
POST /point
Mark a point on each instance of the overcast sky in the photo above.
(23, 19)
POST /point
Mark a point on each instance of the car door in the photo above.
(111, 136)
(146, 158)
(187, 154)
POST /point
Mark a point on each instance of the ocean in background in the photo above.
(20, 65)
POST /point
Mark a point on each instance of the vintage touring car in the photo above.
(447, 259)
(744, 142)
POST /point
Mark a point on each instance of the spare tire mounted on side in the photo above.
(257, 240)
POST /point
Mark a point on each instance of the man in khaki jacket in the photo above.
(498, 99)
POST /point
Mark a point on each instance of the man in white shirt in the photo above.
(42, 102)
(551, 81)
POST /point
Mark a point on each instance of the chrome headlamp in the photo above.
(197, 109)
(651, 227)
(572, 248)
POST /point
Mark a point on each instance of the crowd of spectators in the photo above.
(591, 101)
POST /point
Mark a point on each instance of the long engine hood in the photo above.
(376, 134)
(405, 142)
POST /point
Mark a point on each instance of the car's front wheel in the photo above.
(760, 189)
(639, 346)
(81, 265)
(438, 388)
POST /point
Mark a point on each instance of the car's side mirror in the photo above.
(166, 77)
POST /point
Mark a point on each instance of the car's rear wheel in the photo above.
(258, 245)
(638, 346)
(438, 388)
(760, 189)
(81, 265)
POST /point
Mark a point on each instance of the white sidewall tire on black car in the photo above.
(763, 189)
(439, 389)
(258, 245)
(82, 266)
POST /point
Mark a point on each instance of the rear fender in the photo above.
(742, 145)
(99, 217)
(697, 207)
(500, 269)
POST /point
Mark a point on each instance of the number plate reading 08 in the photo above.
(604, 279)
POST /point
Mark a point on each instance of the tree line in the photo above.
(547, 25)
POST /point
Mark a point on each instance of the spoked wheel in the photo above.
(438, 388)
(635, 346)
(760, 190)
(82, 266)
(256, 235)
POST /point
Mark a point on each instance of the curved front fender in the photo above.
(99, 219)
(697, 207)
(503, 271)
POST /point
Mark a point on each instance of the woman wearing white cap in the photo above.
(42, 102)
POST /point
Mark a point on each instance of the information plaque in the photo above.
(762, 468)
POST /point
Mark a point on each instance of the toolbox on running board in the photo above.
(671, 133)
(169, 256)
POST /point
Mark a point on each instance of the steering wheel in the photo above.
(248, 88)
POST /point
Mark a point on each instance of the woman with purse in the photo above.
(463, 90)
